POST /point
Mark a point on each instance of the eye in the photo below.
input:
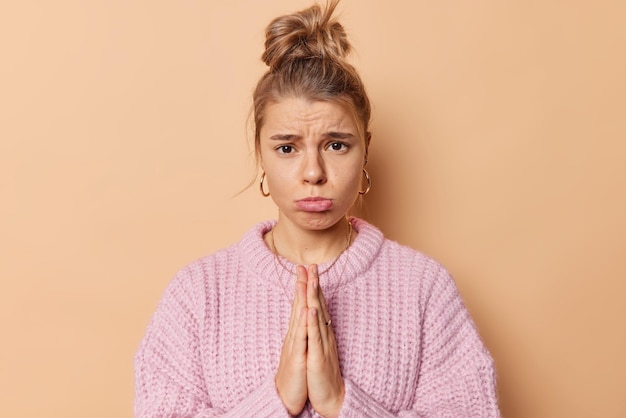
(338, 146)
(285, 149)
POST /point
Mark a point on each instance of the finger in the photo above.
(313, 287)
(315, 343)
(301, 274)
(299, 301)
(300, 298)
(322, 301)
(301, 334)
(313, 296)
(301, 286)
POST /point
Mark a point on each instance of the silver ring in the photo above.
(328, 322)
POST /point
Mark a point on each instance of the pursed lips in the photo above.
(314, 204)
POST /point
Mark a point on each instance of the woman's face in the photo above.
(313, 158)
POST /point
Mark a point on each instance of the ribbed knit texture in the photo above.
(407, 346)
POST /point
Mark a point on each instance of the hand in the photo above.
(291, 377)
(323, 375)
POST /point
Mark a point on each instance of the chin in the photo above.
(319, 221)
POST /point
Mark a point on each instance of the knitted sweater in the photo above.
(407, 346)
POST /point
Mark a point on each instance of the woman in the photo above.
(315, 314)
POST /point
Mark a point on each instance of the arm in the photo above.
(456, 374)
(169, 380)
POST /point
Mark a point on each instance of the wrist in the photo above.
(333, 409)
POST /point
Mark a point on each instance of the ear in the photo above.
(259, 158)
(368, 139)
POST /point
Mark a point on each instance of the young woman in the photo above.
(315, 314)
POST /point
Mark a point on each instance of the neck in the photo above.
(302, 246)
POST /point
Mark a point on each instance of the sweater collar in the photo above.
(351, 263)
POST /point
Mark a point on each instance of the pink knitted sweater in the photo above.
(407, 346)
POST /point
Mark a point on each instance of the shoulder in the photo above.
(409, 257)
(408, 268)
(392, 252)
(228, 261)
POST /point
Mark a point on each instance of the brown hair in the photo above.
(306, 54)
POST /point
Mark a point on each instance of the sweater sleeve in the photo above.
(169, 379)
(456, 377)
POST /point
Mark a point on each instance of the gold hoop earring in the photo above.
(261, 186)
(369, 183)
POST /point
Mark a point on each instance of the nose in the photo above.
(313, 171)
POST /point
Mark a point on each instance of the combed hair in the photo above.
(306, 54)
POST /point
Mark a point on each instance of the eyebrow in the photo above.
(340, 135)
(293, 137)
(285, 137)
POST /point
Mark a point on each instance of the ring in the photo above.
(328, 322)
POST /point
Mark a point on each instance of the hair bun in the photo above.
(310, 33)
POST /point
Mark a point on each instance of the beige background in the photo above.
(499, 149)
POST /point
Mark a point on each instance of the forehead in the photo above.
(301, 113)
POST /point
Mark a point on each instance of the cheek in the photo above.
(353, 178)
(277, 180)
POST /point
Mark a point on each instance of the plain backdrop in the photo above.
(498, 148)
